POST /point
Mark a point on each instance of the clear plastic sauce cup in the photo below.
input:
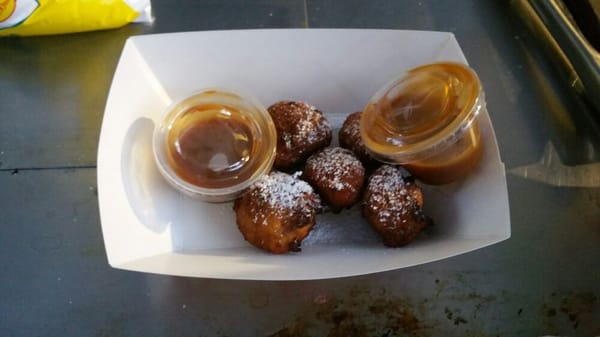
(427, 121)
(215, 143)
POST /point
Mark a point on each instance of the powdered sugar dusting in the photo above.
(314, 127)
(334, 166)
(351, 126)
(309, 124)
(389, 196)
(284, 195)
(350, 138)
(345, 228)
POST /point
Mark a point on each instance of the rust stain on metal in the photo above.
(576, 304)
(360, 314)
(451, 306)
(569, 310)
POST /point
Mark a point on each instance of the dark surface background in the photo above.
(54, 276)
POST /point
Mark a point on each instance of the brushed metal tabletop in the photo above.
(55, 279)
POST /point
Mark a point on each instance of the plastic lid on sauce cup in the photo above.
(422, 113)
(214, 143)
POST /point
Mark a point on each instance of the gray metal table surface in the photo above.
(55, 279)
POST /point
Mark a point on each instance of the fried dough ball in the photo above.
(337, 175)
(277, 212)
(301, 130)
(392, 205)
(349, 138)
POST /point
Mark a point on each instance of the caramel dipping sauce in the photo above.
(211, 146)
(427, 122)
(453, 164)
(214, 144)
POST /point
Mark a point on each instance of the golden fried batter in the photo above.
(392, 205)
(277, 213)
(337, 175)
(301, 130)
(349, 138)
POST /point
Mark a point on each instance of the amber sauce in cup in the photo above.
(214, 143)
(211, 145)
(427, 122)
(453, 164)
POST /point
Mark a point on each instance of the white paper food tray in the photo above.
(150, 227)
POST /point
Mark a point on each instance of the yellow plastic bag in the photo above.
(44, 17)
